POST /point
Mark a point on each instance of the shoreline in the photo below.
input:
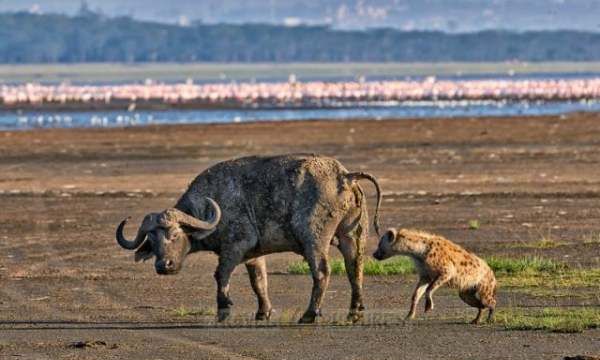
(160, 106)
(319, 122)
(63, 121)
(301, 121)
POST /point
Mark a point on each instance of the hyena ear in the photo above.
(390, 234)
(144, 252)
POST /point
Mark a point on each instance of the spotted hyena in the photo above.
(439, 261)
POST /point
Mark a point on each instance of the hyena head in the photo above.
(387, 245)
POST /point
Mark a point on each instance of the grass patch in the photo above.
(591, 239)
(540, 272)
(559, 292)
(568, 278)
(395, 266)
(547, 244)
(541, 244)
(550, 319)
(290, 315)
(182, 311)
(526, 265)
(399, 265)
(546, 240)
(474, 225)
(527, 272)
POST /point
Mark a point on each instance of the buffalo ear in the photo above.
(144, 252)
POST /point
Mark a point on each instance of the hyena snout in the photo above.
(378, 255)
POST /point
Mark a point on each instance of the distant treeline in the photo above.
(29, 38)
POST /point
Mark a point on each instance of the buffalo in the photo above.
(247, 208)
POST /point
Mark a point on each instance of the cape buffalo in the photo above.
(254, 206)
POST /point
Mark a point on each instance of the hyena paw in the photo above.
(428, 305)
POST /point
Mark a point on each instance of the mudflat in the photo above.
(501, 187)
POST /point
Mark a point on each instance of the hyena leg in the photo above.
(477, 319)
(257, 271)
(488, 300)
(469, 296)
(481, 298)
(432, 287)
(422, 284)
(490, 317)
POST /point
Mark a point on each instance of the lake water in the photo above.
(421, 109)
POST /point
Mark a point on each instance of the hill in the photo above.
(52, 38)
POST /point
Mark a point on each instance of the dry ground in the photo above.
(63, 279)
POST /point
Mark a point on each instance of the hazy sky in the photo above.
(448, 15)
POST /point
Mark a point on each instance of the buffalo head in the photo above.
(167, 235)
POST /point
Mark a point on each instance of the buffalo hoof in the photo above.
(223, 314)
(260, 316)
(309, 317)
(355, 316)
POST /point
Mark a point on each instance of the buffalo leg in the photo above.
(352, 248)
(257, 271)
(320, 270)
(222, 276)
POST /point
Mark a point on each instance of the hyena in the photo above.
(439, 261)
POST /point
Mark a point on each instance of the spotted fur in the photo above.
(439, 262)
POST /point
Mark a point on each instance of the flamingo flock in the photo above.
(293, 93)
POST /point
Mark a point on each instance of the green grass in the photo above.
(525, 265)
(541, 244)
(564, 292)
(565, 279)
(394, 266)
(182, 311)
(290, 315)
(546, 240)
(530, 274)
(540, 272)
(591, 239)
(550, 319)
(401, 265)
(526, 272)
(474, 224)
